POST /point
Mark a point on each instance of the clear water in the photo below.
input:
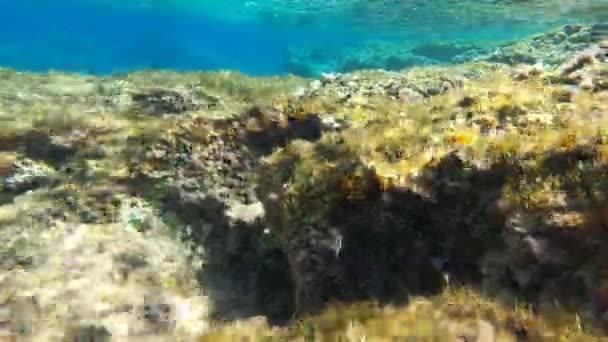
(107, 36)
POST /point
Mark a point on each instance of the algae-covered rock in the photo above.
(272, 197)
(463, 187)
(27, 174)
(550, 49)
(159, 101)
(373, 55)
(449, 52)
(40, 144)
(327, 209)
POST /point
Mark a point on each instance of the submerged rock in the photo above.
(27, 174)
(40, 144)
(449, 52)
(549, 49)
(369, 185)
(378, 55)
(160, 101)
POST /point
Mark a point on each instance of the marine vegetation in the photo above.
(454, 202)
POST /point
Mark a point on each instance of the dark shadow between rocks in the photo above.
(560, 252)
(397, 243)
(87, 333)
(389, 243)
(369, 243)
(247, 271)
(269, 134)
(38, 145)
(244, 275)
(6, 198)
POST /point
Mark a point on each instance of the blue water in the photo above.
(101, 38)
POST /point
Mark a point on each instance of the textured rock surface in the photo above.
(550, 49)
(27, 174)
(168, 200)
(378, 55)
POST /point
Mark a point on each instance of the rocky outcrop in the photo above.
(281, 186)
(378, 55)
(582, 70)
(358, 89)
(159, 101)
(550, 49)
(208, 181)
(449, 52)
(372, 56)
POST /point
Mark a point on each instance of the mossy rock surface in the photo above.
(237, 197)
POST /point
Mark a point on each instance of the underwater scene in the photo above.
(304, 170)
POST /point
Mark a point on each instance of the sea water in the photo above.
(253, 37)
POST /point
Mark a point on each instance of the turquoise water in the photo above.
(256, 38)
